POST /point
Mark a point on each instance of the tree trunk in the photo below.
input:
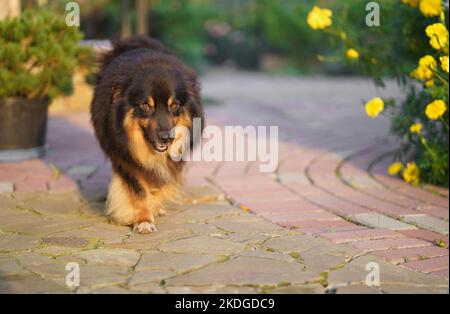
(142, 14)
(126, 19)
(9, 8)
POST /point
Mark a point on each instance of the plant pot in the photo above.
(23, 128)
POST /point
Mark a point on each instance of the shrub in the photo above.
(417, 56)
(38, 55)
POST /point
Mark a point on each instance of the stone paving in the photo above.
(311, 227)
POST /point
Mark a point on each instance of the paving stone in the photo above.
(412, 254)
(428, 222)
(34, 259)
(6, 187)
(248, 223)
(321, 225)
(148, 287)
(362, 182)
(429, 265)
(357, 289)
(298, 289)
(202, 194)
(9, 267)
(178, 262)
(37, 185)
(244, 237)
(46, 225)
(65, 241)
(17, 242)
(300, 243)
(210, 290)
(202, 244)
(427, 235)
(50, 270)
(11, 216)
(31, 284)
(62, 184)
(355, 272)
(52, 203)
(245, 270)
(202, 213)
(7, 202)
(165, 233)
(358, 235)
(414, 289)
(380, 221)
(270, 254)
(99, 276)
(83, 170)
(110, 290)
(287, 178)
(320, 231)
(149, 275)
(441, 273)
(56, 251)
(386, 244)
(106, 256)
(296, 219)
(98, 232)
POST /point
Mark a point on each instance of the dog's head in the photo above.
(154, 101)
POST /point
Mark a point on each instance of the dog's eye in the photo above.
(145, 107)
(174, 106)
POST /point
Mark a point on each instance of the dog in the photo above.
(142, 91)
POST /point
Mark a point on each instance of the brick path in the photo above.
(311, 227)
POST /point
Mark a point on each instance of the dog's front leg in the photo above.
(128, 204)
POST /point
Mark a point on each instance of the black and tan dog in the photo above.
(143, 91)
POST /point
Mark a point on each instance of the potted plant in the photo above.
(38, 56)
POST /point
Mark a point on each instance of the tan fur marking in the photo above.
(126, 208)
(151, 102)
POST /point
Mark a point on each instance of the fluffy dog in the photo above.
(142, 92)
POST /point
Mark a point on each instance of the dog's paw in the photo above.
(161, 212)
(144, 227)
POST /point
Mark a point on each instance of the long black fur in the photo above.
(131, 62)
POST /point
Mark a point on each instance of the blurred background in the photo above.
(265, 35)
(310, 55)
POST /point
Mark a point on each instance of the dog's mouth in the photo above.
(161, 148)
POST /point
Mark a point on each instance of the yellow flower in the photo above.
(425, 69)
(431, 8)
(444, 63)
(412, 3)
(374, 107)
(412, 174)
(428, 61)
(395, 168)
(429, 83)
(438, 35)
(319, 18)
(352, 54)
(436, 109)
(416, 128)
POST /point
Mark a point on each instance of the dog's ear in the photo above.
(116, 92)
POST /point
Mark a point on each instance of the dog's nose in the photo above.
(164, 137)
